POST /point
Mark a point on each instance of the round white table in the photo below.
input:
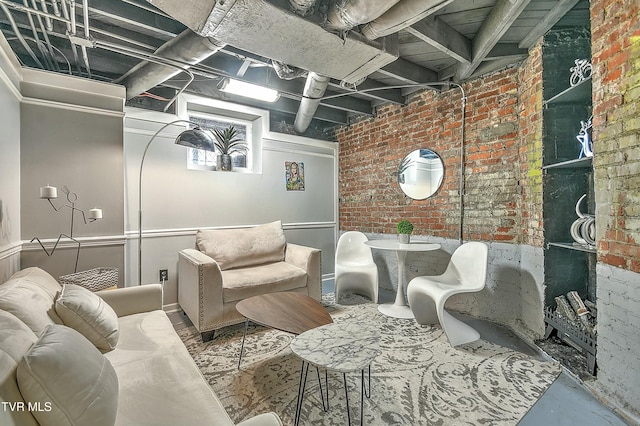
(342, 347)
(400, 309)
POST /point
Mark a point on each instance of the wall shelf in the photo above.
(579, 93)
(578, 163)
(574, 246)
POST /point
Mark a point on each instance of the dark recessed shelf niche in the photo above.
(577, 163)
(575, 246)
(580, 93)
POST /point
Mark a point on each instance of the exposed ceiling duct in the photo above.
(272, 30)
(400, 16)
(314, 89)
(346, 14)
(187, 47)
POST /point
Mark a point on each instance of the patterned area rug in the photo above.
(417, 379)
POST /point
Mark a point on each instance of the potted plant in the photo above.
(405, 228)
(227, 142)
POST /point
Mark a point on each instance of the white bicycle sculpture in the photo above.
(580, 72)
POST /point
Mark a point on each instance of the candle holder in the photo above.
(50, 193)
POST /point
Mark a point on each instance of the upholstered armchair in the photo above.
(229, 265)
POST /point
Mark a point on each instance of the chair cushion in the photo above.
(39, 289)
(238, 284)
(236, 248)
(88, 314)
(70, 379)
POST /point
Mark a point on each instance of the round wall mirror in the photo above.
(420, 174)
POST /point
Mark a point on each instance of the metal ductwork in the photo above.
(276, 30)
(272, 30)
(302, 7)
(187, 47)
(400, 16)
(346, 14)
(314, 89)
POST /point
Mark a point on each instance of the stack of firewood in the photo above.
(581, 313)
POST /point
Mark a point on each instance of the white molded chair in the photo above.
(355, 268)
(466, 273)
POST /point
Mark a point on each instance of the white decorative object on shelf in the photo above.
(580, 72)
(584, 137)
(583, 229)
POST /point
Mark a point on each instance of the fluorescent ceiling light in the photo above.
(242, 88)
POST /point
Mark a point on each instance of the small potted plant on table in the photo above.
(405, 228)
(228, 142)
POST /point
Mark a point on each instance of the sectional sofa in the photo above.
(72, 357)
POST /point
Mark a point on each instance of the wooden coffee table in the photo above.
(290, 312)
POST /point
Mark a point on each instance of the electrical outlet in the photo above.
(164, 275)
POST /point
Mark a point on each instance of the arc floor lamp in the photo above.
(191, 138)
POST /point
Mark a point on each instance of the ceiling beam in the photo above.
(506, 50)
(550, 19)
(408, 72)
(439, 34)
(503, 14)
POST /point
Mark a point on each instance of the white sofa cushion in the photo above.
(88, 314)
(39, 289)
(236, 248)
(70, 379)
(15, 340)
(159, 382)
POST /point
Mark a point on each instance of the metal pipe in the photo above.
(314, 88)
(49, 52)
(74, 49)
(41, 47)
(20, 8)
(346, 14)
(188, 47)
(302, 7)
(87, 35)
(152, 57)
(47, 20)
(400, 16)
(16, 30)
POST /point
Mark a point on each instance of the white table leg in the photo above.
(399, 309)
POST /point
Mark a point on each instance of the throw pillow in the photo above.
(88, 314)
(69, 380)
(235, 248)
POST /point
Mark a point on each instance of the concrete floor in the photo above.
(566, 402)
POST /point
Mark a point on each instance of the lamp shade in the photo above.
(196, 138)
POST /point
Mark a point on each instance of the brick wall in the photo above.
(615, 44)
(371, 150)
(616, 121)
(530, 145)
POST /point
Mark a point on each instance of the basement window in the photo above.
(198, 159)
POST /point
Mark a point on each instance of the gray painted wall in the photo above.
(10, 239)
(79, 145)
(176, 202)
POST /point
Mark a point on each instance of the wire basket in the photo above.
(93, 279)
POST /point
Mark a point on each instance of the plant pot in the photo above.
(226, 162)
(404, 238)
(218, 162)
